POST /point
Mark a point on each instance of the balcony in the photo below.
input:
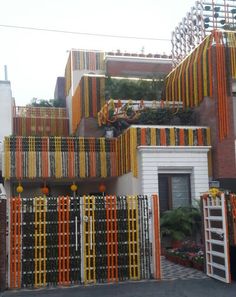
(40, 121)
(77, 157)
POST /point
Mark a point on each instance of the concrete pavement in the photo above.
(174, 288)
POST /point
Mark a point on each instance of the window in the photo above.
(174, 191)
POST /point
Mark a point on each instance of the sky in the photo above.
(36, 58)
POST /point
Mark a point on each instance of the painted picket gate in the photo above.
(88, 239)
(216, 237)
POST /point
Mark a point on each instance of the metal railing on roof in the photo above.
(40, 112)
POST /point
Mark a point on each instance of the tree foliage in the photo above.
(134, 89)
(35, 102)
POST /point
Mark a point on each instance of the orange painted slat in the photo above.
(19, 241)
(115, 239)
(199, 137)
(163, 136)
(143, 136)
(67, 240)
(181, 137)
(59, 241)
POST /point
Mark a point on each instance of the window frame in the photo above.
(169, 177)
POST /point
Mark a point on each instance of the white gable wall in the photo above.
(156, 160)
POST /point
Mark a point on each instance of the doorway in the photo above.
(174, 191)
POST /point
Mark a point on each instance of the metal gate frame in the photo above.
(48, 234)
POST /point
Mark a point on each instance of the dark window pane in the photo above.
(180, 191)
(163, 193)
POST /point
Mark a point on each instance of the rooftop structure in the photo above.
(202, 19)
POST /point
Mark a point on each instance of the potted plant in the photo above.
(180, 223)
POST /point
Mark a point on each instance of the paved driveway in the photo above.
(174, 288)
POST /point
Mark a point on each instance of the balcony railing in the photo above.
(40, 121)
(40, 112)
(73, 157)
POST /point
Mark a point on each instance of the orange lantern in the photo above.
(102, 188)
(45, 190)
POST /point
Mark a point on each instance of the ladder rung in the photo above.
(217, 277)
(220, 218)
(216, 230)
(222, 255)
(214, 241)
(213, 206)
(219, 266)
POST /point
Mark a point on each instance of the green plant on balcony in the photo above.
(166, 116)
(134, 89)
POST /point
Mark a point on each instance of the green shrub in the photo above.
(166, 116)
(181, 222)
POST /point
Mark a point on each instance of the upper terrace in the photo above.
(81, 62)
(40, 121)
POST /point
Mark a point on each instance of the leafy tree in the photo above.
(35, 102)
(134, 89)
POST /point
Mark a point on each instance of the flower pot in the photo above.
(176, 244)
(198, 266)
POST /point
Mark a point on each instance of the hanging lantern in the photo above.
(102, 188)
(19, 189)
(45, 190)
(73, 188)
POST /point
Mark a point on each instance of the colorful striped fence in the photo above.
(59, 157)
(136, 136)
(72, 157)
(40, 121)
(83, 60)
(69, 240)
(40, 127)
(88, 99)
